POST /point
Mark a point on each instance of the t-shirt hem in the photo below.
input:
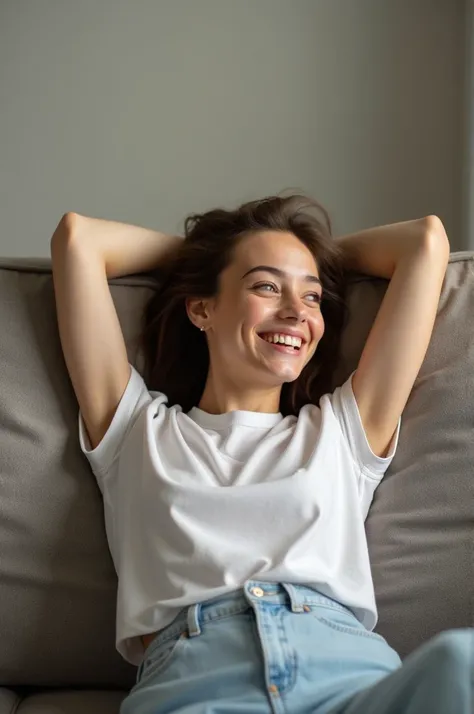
(131, 649)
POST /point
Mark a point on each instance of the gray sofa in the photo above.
(57, 579)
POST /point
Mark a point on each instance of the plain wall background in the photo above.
(149, 110)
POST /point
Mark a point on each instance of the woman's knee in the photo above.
(454, 646)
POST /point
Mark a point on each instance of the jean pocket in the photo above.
(345, 621)
(161, 656)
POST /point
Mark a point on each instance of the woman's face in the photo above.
(255, 301)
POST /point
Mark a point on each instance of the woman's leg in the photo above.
(437, 678)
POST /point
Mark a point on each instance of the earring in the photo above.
(202, 328)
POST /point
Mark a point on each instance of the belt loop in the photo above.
(296, 605)
(194, 613)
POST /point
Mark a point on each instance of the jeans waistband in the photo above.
(299, 597)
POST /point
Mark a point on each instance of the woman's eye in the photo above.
(271, 285)
(263, 285)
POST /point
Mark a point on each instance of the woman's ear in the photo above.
(196, 310)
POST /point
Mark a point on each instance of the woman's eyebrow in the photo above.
(280, 273)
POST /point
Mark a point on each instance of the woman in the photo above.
(235, 489)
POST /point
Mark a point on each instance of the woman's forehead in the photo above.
(275, 248)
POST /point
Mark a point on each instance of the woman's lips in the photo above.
(286, 349)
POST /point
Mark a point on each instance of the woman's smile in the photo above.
(280, 347)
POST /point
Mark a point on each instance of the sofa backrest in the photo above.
(58, 585)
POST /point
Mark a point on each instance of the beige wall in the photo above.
(146, 111)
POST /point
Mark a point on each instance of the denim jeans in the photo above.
(279, 648)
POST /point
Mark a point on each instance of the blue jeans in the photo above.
(278, 648)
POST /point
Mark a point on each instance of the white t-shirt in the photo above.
(197, 504)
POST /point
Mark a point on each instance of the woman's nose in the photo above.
(293, 307)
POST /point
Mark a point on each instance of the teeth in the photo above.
(283, 339)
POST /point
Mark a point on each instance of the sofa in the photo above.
(58, 584)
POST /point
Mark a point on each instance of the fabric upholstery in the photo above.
(57, 580)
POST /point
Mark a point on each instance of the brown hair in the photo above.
(176, 352)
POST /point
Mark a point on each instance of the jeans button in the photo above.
(257, 591)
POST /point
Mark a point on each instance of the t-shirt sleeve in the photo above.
(135, 397)
(347, 412)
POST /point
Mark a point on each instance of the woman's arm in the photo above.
(125, 249)
(376, 251)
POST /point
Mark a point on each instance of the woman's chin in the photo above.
(285, 374)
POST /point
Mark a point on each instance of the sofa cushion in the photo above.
(57, 580)
(60, 701)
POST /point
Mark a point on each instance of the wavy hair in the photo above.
(176, 351)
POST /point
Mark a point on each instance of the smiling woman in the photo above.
(218, 279)
(247, 372)
(231, 482)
